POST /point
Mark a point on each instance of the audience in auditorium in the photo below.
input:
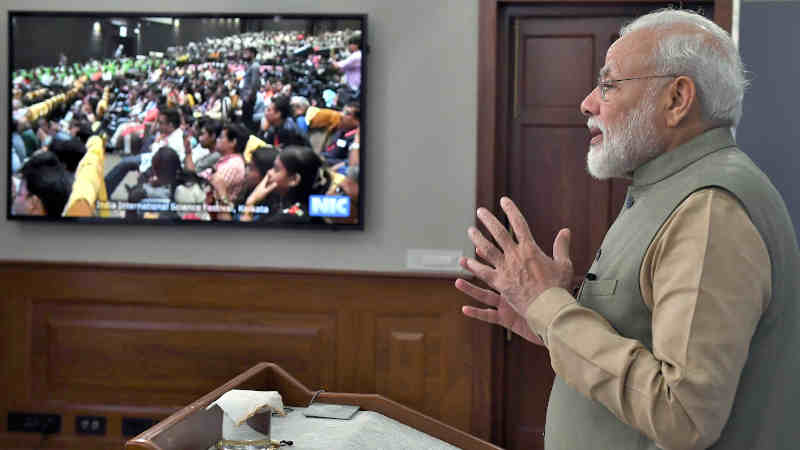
(227, 177)
(351, 66)
(69, 152)
(17, 144)
(250, 87)
(338, 148)
(169, 134)
(263, 99)
(44, 188)
(283, 130)
(198, 105)
(299, 107)
(261, 161)
(202, 156)
(294, 176)
(260, 164)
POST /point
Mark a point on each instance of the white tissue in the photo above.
(239, 405)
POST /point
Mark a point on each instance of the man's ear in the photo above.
(681, 99)
(295, 180)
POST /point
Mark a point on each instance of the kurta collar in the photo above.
(687, 153)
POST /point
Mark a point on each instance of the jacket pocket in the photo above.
(598, 288)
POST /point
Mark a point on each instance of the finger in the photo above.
(518, 222)
(484, 248)
(485, 296)
(264, 180)
(485, 315)
(481, 271)
(561, 245)
(497, 229)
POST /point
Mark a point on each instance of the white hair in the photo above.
(698, 48)
(299, 101)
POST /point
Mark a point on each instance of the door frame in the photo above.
(488, 402)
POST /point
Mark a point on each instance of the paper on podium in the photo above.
(239, 405)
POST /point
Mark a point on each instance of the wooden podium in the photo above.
(194, 427)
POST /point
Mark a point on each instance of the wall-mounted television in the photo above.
(142, 118)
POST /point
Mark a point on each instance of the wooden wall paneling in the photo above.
(458, 358)
(356, 351)
(111, 354)
(403, 373)
(15, 346)
(123, 341)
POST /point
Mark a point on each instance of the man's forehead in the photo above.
(625, 55)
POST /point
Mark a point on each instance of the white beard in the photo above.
(622, 151)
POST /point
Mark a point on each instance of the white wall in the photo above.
(420, 172)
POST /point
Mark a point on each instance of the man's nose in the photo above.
(590, 105)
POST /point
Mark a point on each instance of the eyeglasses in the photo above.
(606, 85)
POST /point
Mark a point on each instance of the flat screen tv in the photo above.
(142, 118)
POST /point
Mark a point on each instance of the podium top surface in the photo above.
(366, 429)
(194, 427)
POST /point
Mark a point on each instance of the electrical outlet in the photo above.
(134, 426)
(439, 260)
(95, 425)
(34, 422)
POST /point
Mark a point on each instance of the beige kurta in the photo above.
(706, 281)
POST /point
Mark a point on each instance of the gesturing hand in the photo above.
(261, 191)
(519, 271)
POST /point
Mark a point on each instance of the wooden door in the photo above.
(550, 58)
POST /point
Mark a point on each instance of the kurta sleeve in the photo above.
(706, 279)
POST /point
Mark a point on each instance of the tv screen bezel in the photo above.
(363, 127)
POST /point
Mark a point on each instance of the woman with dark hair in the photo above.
(166, 169)
(218, 105)
(295, 175)
(261, 162)
(229, 172)
(160, 187)
(168, 183)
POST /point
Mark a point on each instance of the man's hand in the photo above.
(519, 271)
(502, 315)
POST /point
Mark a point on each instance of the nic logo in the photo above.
(329, 206)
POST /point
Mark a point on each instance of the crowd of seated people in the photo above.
(183, 122)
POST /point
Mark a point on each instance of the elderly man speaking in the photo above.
(685, 333)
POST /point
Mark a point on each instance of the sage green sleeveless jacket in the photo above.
(763, 414)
